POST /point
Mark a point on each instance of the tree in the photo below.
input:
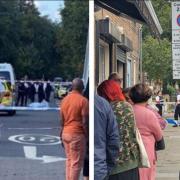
(36, 46)
(163, 11)
(72, 37)
(27, 40)
(157, 59)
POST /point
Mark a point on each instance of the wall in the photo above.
(131, 29)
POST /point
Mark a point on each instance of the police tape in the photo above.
(22, 108)
(165, 103)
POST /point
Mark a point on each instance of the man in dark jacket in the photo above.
(48, 90)
(32, 92)
(21, 94)
(41, 93)
(106, 139)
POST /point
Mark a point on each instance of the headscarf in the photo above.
(110, 90)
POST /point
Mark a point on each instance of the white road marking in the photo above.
(45, 128)
(35, 139)
(30, 152)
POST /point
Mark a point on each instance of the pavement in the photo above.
(30, 148)
(168, 165)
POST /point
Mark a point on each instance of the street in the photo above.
(30, 148)
(169, 159)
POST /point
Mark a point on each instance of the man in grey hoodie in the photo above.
(106, 139)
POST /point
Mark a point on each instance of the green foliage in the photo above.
(171, 90)
(72, 37)
(36, 46)
(157, 60)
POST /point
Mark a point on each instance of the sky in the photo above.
(50, 8)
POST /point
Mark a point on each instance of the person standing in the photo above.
(177, 111)
(86, 158)
(36, 85)
(26, 92)
(2, 90)
(159, 102)
(32, 92)
(74, 117)
(154, 109)
(41, 93)
(128, 160)
(48, 90)
(21, 94)
(148, 125)
(106, 139)
(115, 77)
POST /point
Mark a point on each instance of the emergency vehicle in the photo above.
(8, 77)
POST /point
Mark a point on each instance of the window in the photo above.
(129, 73)
(5, 75)
(103, 61)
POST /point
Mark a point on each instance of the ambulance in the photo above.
(8, 77)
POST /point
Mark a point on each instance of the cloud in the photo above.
(50, 8)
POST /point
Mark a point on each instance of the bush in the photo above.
(171, 90)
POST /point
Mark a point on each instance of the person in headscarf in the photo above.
(109, 89)
(129, 156)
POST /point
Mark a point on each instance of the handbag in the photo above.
(160, 145)
(144, 160)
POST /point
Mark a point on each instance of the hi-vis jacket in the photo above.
(6, 100)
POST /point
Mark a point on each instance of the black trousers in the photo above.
(159, 106)
(177, 112)
(132, 174)
(20, 99)
(86, 168)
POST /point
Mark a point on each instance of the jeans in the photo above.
(74, 145)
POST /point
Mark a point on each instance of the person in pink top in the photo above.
(148, 126)
(161, 121)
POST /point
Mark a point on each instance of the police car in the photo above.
(7, 97)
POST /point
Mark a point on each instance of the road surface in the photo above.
(30, 148)
(168, 166)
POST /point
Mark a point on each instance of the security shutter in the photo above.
(121, 55)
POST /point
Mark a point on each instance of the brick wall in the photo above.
(131, 30)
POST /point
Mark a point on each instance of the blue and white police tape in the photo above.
(21, 108)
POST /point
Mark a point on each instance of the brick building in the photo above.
(118, 27)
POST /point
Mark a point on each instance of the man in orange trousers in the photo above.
(74, 117)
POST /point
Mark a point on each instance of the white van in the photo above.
(7, 74)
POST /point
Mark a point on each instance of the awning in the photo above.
(140, 10)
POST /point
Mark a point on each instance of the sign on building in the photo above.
(176, 39)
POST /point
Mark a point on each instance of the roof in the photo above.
(141, 11)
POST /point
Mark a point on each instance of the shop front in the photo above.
(118, 38)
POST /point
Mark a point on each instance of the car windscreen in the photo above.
(5, 75)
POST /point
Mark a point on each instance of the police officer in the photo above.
(7, 95)
(2, 90)
(21, 94)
